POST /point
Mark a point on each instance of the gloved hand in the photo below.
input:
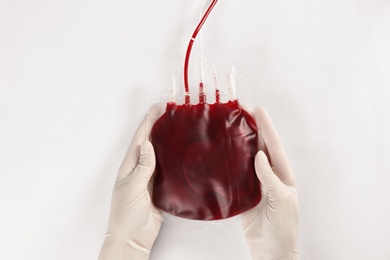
(271, 227)
(134, 222)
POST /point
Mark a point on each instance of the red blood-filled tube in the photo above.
(189, 48)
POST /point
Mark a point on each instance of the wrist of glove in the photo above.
(271, 228)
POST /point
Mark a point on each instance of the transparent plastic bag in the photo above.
(205, 161)
(205, 155)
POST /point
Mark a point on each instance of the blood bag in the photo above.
(205, 156)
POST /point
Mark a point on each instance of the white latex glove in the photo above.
(271, 227)
(134, 222)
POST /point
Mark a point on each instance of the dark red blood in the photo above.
(205, 161)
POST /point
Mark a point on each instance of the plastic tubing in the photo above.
(189, 48)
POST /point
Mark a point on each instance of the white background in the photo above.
(76, 79)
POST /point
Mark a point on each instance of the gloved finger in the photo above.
(266, 175)
(274, 146)
(146, 165)
(142, 133)
(260, 141)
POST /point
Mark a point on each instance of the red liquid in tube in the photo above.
(205, 161)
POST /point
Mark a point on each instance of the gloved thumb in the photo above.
(146, 164)
(266, 175)
(147, 158)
